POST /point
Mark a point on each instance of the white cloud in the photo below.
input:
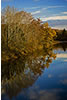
(36, 12)
(60, 27)
(31, 8)
(6, 0)
(55, 6)
(54, 18)
(36, 0)
(63, 12)
(42, 9)
(51, 7)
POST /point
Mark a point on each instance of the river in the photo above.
(40, 76)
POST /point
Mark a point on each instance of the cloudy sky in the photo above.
(43, 9)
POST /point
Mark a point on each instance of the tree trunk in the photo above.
(7, 37)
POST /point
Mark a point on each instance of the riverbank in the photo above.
(55, 42)
(12, 54)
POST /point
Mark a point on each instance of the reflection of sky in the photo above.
(55, 77)
(52, 84)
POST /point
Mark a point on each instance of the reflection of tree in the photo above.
(11, 68)
(22, 73)
(38, 64)
(62, 46)
(14, 86)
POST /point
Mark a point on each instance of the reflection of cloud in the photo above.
(36, 93)
(49, 76)
(63, 75)
(33, 95)
(61, 56)
(65, 60)
(64, 81)
(44, 95)
(47, 96)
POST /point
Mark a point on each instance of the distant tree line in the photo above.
(61, 35)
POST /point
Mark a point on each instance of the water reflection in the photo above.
(21, 77)
(62, 46)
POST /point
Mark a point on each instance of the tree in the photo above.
(8, 19)
(23, 32)
(15, 24)
(48, 35)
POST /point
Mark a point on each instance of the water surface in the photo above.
(40, 76)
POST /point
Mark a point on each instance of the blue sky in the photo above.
(43, 9)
